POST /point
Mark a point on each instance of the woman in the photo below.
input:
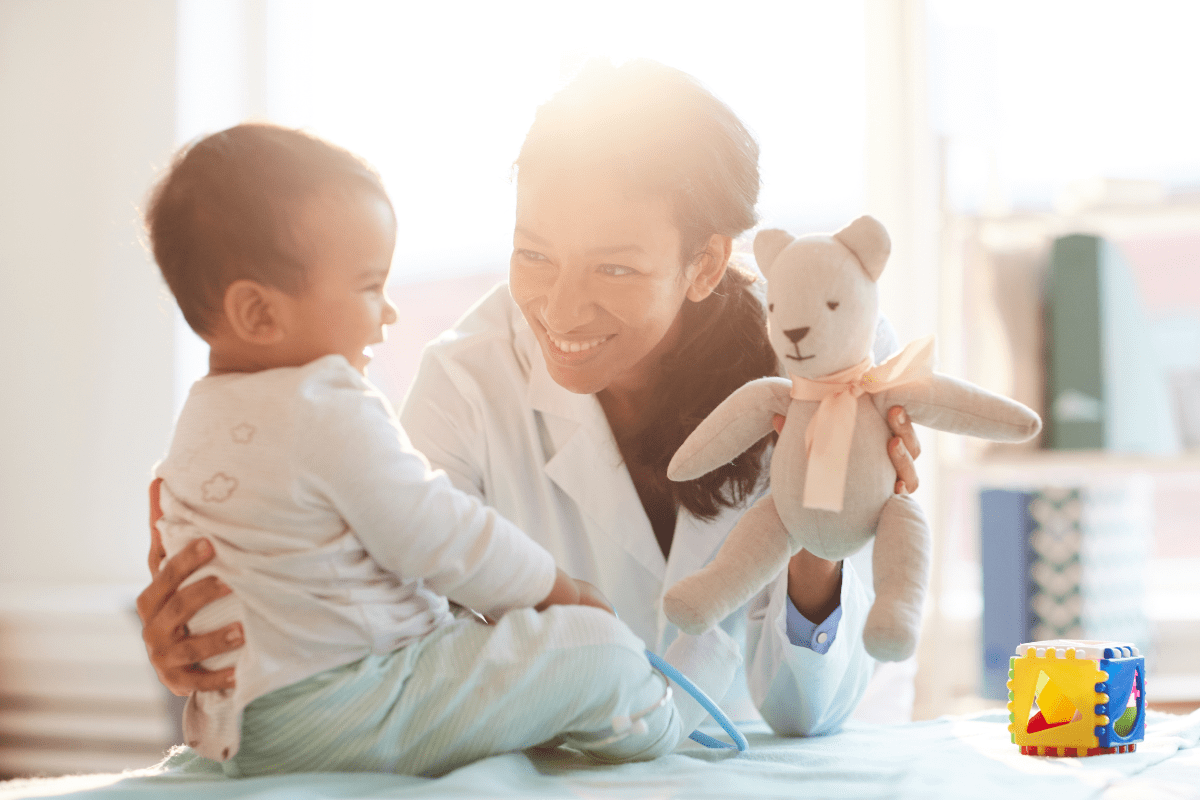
(561, 398)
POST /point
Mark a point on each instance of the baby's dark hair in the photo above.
(224, 211)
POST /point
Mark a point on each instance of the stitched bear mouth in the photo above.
(798, 357)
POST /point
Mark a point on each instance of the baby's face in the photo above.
(347, 241)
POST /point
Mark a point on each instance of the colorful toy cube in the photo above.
(1076, 698)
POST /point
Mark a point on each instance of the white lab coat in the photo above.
(484, 409)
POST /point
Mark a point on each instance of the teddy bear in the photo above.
(832, 483)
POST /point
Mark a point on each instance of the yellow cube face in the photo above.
(1055, 706)
(1057, 691)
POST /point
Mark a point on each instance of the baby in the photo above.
(339, 542)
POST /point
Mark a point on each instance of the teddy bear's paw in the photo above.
(685, 616)
(889, 642)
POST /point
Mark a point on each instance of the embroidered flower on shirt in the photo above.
(218, 488)
(243, 433)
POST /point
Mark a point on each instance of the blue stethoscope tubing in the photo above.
(706, 702)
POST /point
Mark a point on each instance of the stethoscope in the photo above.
(739, 741)
(625, 725)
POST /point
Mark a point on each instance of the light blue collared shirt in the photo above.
(804, 633)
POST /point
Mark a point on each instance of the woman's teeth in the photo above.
(575, 347)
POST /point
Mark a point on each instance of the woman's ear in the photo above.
(709, 267)
(253, 312)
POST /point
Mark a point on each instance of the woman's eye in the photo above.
(833, 304)
(616, 270)
(530, 255)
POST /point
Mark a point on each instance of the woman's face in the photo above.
(598, 275)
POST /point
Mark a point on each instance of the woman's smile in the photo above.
(576, 346)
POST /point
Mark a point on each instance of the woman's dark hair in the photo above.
(224, 211)
(663, 134)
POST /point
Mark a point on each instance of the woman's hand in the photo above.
(903, 448)
(165, 609)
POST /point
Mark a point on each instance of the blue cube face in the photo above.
(1126, 706)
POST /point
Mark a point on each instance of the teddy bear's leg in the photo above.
(754, 553)
(901, 565)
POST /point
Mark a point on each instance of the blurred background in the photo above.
(1035, 162)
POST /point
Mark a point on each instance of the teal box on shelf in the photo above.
(1105, 385)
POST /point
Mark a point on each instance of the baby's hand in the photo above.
(569, 592)
(589, 595)
(564, 592)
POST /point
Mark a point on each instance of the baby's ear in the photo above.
(768, 244)
(869, 241)
(252, 313)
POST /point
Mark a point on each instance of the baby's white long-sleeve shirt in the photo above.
(337, 538)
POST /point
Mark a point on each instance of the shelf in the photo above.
(1040, 464)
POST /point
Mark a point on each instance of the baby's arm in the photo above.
(410, 519)
(443, 426)
(569, 591)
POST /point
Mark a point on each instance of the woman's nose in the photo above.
(389, 310)
(567, 303)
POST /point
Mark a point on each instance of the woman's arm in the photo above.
(807, 691)
(165, 610)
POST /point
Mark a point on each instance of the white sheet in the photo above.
(952, 757)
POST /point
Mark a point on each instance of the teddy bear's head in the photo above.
(822, 299)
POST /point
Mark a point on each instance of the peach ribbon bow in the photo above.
(828, 436)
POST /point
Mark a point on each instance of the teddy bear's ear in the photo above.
(868, 240)
(768, 244)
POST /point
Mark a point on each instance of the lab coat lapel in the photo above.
(587, 465)
(696, 542)
(694, 545)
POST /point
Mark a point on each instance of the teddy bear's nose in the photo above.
(796, 334)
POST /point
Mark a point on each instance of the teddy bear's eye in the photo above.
(833, 304)
(771, 307)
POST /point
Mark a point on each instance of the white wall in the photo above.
(86, 120)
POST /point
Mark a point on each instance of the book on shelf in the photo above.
(1063, 563)
(1106, 386)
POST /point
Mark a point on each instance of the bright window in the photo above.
(439, 95)
(1032, 96)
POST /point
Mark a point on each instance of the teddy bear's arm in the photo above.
(738, 422)
(949, 404)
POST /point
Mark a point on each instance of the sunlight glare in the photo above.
(438, 98)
